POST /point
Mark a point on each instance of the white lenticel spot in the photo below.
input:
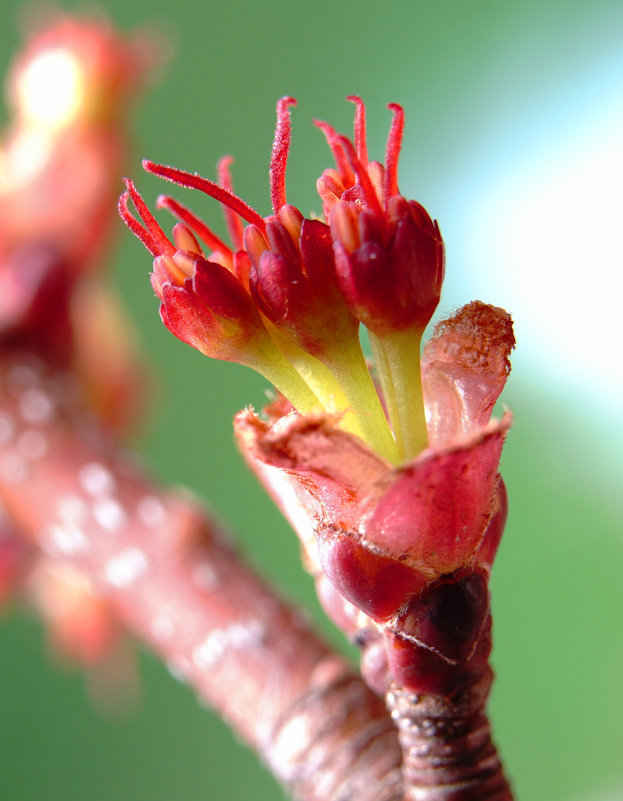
(109, 514)
(126, 567)
(151, 511)
(67, 539)
(36, 407)
(237, 636)
(208, 652)
(13, 469)
(32, 445)
(96, 479)
(72, 509)
(7, 429)
(205, 577)
(180, 668)
(162, 628)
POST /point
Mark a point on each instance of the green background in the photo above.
(467, 73)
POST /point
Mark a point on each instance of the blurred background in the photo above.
(514, 143)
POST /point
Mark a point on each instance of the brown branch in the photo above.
(448, 751)
(444, 732)
(175, 582)
(440, 712)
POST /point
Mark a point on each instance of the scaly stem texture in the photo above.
(446, 742)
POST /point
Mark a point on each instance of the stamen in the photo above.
(254, 243)
(331, 181)
(279, 156)
(185, 263)
(232, 220)
(362, 178)
(281, 244)
(292, 220)
(242, 267)
(376, 172)
(392, 151)
(330, 192)
(158, 237)
(194, 181)
(345, 226)
(361, 145)
(166, 271)
(185, 239)
(134, 225)
(347, 176)
(186, 216)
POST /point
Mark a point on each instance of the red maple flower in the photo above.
(385, 541)
(390, 258)
(291, 310)
(394, 493)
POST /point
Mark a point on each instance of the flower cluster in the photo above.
(288, 296)
(389, 477)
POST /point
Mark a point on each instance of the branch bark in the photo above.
(176, 583)
(448, 751)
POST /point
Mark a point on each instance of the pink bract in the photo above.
(381, 533)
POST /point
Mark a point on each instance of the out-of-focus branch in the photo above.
(176, 583)
(91, 538)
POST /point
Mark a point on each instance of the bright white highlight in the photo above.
(51, 89)
(126, 567)
(535, 227)
(554, 253)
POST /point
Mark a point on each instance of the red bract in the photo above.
(421, 536)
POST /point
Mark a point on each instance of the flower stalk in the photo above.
(397, 360)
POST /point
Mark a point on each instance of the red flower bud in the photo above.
(293, 284)
(203, 303)
(389, 253)
(213, 313)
